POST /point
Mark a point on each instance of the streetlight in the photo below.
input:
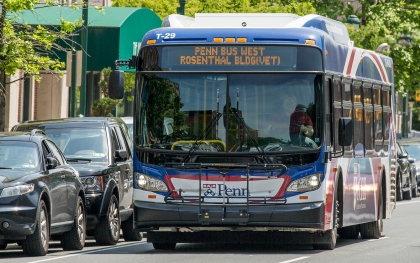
(405, 40)
(181, 9)
(354, 21)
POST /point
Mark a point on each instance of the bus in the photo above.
(220, 155)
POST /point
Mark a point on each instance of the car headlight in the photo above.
(150, 183)
(17, 190)
(307, 183)
(93, 183)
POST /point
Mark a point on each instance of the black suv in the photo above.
(100, 148)
(41, 195)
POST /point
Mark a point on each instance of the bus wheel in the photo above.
(349, 232)
(372, 230)
(166, 246)
(330, 235)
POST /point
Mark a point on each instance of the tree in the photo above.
(105, 105)
(166, 7)
(390, 22)
(30, 48)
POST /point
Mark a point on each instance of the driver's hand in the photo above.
(304, 130)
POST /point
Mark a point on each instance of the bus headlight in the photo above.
(304, 184)
(150, 183)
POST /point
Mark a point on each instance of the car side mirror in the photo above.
(345, 131)
(116, 84)
(121, 154)
(51, 163)
(411, 160)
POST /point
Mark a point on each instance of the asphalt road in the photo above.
(400, 242)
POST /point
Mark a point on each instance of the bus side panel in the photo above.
(361, 179)
(329, 194)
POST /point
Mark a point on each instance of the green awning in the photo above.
(111, 32)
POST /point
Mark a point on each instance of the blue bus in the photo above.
(260, 128)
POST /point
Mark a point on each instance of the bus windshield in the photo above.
(230, 112)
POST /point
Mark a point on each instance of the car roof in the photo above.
(74, 122)
(127, 119)
(34, 135)
(409, 141)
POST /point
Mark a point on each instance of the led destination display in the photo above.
(231, 57)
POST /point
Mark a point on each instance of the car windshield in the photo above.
(413, 151)
(19, 155)
(81, 143)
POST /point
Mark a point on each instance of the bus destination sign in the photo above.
(228, 57)
(219, 55)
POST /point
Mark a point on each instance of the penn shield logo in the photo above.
(359, 189)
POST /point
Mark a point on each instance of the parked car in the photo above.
(41, 195)
(101, 151)
(405, 174)
(412, 146)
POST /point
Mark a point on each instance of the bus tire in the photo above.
(399, 193)
(331, 234)
(165, 246)
(349, 232)
(372, 230)
(127, 230)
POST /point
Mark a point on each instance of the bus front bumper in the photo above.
(282, 217)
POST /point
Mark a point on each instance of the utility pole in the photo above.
(84, 45)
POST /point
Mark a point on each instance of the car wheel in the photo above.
(37, 244)
(75, 238)
(407, 194)
(107, 232)
(128, 232)
(166, 246)
(399, 192)
(414, 191)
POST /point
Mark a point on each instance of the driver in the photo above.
(300, 123)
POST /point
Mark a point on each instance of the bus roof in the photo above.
(333, 28)
(340, 56)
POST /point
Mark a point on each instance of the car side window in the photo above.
(55, 152)
(115, 142)
(123, 140)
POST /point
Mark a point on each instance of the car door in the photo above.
(70, 177)
(58, 189)
(124, 166)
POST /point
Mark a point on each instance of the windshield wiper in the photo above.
(78, 159)
(246, 128)
(6, 168)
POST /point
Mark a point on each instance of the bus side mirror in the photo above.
(345, 131)
(116, 84)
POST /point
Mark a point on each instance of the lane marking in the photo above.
(293, 260)
(89, 252)
(406, 203)
(371, 240)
